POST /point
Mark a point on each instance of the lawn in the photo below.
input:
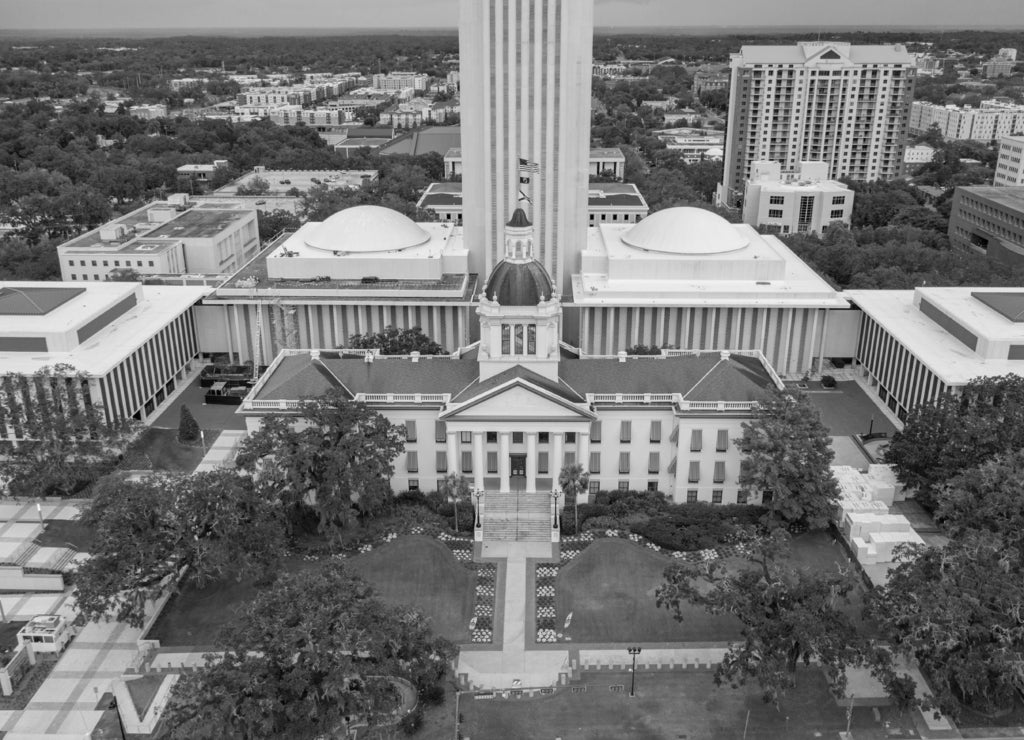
(64, 532)
(417, 571)
(159, 449)
(610, 586)
(669, 705)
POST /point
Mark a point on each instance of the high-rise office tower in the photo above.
(818, 101)
(525, 68)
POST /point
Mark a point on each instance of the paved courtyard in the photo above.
(848, 410)
(208, 416)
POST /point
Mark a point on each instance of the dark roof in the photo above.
(702, 377)
(1009, 304)
(420, 141)
(519, 220)
(33, 301)
(519, 283)
(518, 372)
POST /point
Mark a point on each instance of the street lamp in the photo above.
(555, 493)
(634, 651)
(478, 494)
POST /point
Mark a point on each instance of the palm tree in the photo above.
(574, 480)
(456, 488)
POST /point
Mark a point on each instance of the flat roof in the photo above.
(201, 222)
(801, 52)
(158, 306)
(421, 141)
(34, 300)
(1010, 197)
(945, 355)
(281, 181)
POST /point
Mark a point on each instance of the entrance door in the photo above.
(517, 472)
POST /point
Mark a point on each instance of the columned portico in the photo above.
(478, 461)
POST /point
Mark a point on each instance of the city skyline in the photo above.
(443, 14)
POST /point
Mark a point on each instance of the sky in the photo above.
(403, 14)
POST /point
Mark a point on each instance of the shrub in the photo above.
(699, 526)
(838, 364)
(432, 694)
(188, 429)
(412, 722)
(827, 381)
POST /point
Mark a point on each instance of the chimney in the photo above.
(725, 354)
(415, 356)
(622, 356)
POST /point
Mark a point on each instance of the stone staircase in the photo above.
(517, 517)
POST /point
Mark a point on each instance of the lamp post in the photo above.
(478, 494)
(555, 493)
(634, 651)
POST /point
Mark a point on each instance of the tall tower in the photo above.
(525, 69)
(822, 101)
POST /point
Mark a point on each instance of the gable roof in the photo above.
(519, 377)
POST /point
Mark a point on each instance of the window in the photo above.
(696, 440)
(439, 431)
(442, 461)
(569, 459)
(82, 263)
(719, 472)
(655, 431)
(623, 462)
(519, 339)
(838, 200)
(652, 485)
(691, 496)
(774, 213)
(595, 486)
(410, 430)
(94, 263)
(467, 462)
(623, 485)
(466, 437)
(625, 431)
(722, 444)
(517, 438)
(776, 200)
(837, 214)
(73, 276)
(694, 476)
(492, 462)
(741, 497)
(71, 262)
(492, 437)
(542, 462)
(654, 463)
(595, 431)
(570, 438)
(595, 462)
(506, 339)
(412, 462)
(105, 263)
(531, 339)
(440, 484)
(543, 437)
(151, 263)
(414, 484)
(716, 496)
(140, 263)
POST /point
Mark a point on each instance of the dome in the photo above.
(519, 283)
(366, 229)
(685, 230)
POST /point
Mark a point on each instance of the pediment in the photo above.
(518, 399)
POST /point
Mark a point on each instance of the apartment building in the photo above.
(991, 121)
(1010, 164)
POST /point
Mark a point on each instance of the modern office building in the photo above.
(914, 345)
(174, 237)
(989, 220)
(606, 201)
(526, 70)
(919, 154)
(509, 411)
(1010, 163)
(825, 101)
(991, 121)
(133, 343)
(801, 202)
(687, 279)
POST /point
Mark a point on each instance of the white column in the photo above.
(557, 458)
(531, 461)
(478, 460)
(821, 350)
(503, 461)
(453, 453)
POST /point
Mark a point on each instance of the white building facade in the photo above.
(1010, 164)
(801, 202)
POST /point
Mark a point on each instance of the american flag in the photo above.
(526, 165)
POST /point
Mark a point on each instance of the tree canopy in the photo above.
(957, 432)
(336, 463)
(789, 615)
(311, 651)
(149, 532)
(393, 341)
(786, 456)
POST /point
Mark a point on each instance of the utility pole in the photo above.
(634, 651)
